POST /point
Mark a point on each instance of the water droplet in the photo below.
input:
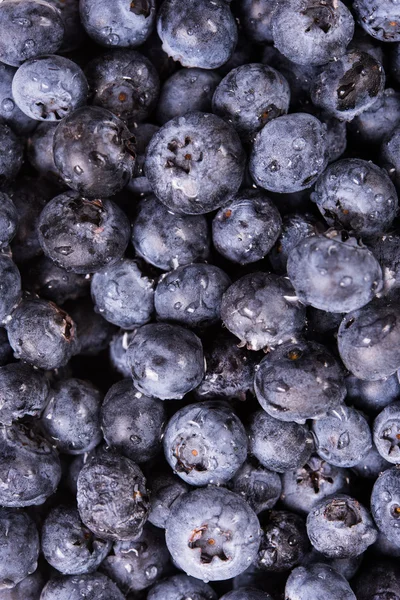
(22, 21)
(64, 250)
(151, 572)
(78, 170)
(250, 97)
(343, 441)
(29, 44)
(135, 439)
(177, 305)
(274, 166)
(113, 39)
(346, 281)
(299, 143)
(379, 198)
(190, 31)
(8, 105)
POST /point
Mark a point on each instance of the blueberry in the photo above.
(138, 564)
(186, 90)
(10, 290)
(94, 332)
(306, 486)
(167, 240)
(81, 587)
(317, 581)
(284, 541)
(349, 86)
(256, 19)
(379, 19)
(31, 468)
(343, 437)
(257, 485)
(29, 28)
(38, 91)
(68, 545)
(132, 423)
(340, 527)
(229, 369)
(386, 432)
(166, 361)
(118, 23)
(299, 381)
(262, 310)
(389, 155)
(191, 295)
(23, 391)
(199, 33)
(356, 195)
(371, 465)
(378, 122)
(278, 445)
(246, 228)
(125, 83)
(385, 504)
(372, 396)
(19, 549)
(250, 96)
(139, 184)
(334, 272)
(28, 589)
(5, 348)
(40, 152)
(42, 334)
(51, 282)
(386, 250)
(118, 352)
(83, 235)
(190, 443)
(312, 33)
(289, 153)
(165, 489)
(112, 497)
(123, 295)
(71, 419)
(347, 567)
(11, 156)
(194, 163)
(246, 594)
(181, 586)
(368, 340)
(212, 534)
(74, 33)
(10, 114)
(380, 578)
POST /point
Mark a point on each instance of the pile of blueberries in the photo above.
(199, 300)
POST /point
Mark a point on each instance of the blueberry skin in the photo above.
(278, 445)
(165, 489)
(166, 361)
(246, 594)
(32, 465)
(68, 545)
(42, 334)
(51, 282)
(74, 33)
(167, 240)
(340, 527)
(343, 437)
(39, 93)
(194, 163)
(389, 155)
(334, 272)
(9, 220)
(94, 332)
(10, 114)
(299, 381)
(23, 391)
(29, 28)
(349, 86)
(81, 587)
(229, 370)
(186, 90)
(317, 581)
(123, 295)
(356, 195)
(257, 485)
(250, 96)
(118, 23)
(5, 348)
(284, 541)
(28, 589)
(372, 396)
(212, 514)
(368, 341)
(40, 152)
(371, 465)
(139, 183)
(379, 19)
(11, 156)
(20, 547)
(115, 487)
(305, 487)
(132, 423)
(262, 310)
(124, 82)
(289, 153)
(181, 586)
(247, 227)
(347, 567)
(311, 34)
(256, 19)
(379, 578)
(385, 430)
(191, 295)
(118, 352)
(90, 235)
(375, 124)
(190, 443)
(136, 565)
(94, 152)
(295, 227)
(385, 504)
(71, 419)
(10, 287)
(203, 35)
